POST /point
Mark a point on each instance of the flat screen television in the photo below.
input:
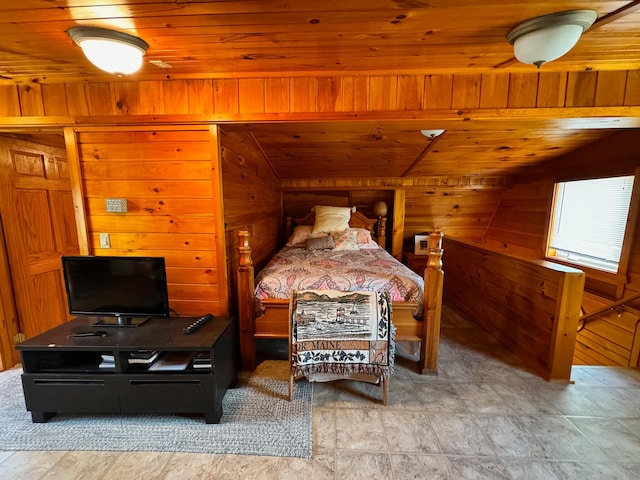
(121, 291)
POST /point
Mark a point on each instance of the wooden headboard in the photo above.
(357, 220)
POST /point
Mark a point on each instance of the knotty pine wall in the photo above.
(169, 179)
(519, 227)
(252, 201)
(322, 94)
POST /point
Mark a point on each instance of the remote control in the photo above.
(198, 323)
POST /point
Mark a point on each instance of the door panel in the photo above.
(39, 226)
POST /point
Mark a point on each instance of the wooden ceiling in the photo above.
(263, 38)
(399, 150)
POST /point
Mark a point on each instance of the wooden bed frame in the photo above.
(274, 323)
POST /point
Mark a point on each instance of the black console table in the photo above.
(95, 374)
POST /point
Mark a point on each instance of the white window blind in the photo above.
(589, 221)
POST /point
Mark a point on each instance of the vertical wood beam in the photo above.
(218, 211)
(8, 314)
(77, 189)
(397, 235)
(565, 326)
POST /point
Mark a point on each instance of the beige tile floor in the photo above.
(483, 417)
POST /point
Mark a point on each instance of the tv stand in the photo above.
(120, 321)
(67, 374)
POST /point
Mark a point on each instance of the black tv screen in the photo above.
(123, 290)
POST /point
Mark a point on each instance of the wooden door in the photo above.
(39, 226)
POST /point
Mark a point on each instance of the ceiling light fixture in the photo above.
(111, 51)
(543, 39)
(431, 134)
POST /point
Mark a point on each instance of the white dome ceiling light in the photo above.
(546, 38)
(109, 50)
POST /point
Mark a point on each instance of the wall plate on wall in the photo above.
(116, 205)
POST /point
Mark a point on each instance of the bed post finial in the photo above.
(244, 249)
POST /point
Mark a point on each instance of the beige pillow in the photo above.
(331, 219)
(345, 240)
(364, 235)
(300, 234)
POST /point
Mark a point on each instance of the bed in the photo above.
(416, 315)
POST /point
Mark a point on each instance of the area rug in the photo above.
(257, 419)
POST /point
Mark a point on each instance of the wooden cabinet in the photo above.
(417, 263)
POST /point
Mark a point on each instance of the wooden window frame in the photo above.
(618, 279)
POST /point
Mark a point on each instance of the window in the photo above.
(589, 221)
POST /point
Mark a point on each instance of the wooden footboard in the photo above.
(274, 323)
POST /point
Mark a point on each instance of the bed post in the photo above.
(433, 284)
(381, 229)
(246, 313)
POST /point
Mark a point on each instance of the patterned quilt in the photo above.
(295, 268)
(341, 333)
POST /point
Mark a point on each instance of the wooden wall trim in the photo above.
(473, 119)
(393, 183)
(8, 315)
(77, 190)
(218, 211)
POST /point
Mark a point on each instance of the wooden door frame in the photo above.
(8, 313)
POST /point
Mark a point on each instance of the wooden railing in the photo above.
(530, 306)
(606, 309)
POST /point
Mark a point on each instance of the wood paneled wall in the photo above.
(460, 207)
(519, 223)
(169, 179)
(322, 94)
(252, 197)
(457, 210)
(519, 227)
(530, 306)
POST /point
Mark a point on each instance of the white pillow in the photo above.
(331, 219)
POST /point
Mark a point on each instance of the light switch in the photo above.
(105, 242)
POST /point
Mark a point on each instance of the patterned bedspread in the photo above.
(295, 268)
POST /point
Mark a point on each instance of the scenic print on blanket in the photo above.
(341, 333)
(294, 268)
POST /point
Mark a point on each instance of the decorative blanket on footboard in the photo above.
(342, 333)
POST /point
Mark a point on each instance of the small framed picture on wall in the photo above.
(421, 244)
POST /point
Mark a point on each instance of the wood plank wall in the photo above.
(322, 94)
(519, 227)
(461, 211)
(166, 176)
(298, 203)
(252, 199)
(460, 206)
